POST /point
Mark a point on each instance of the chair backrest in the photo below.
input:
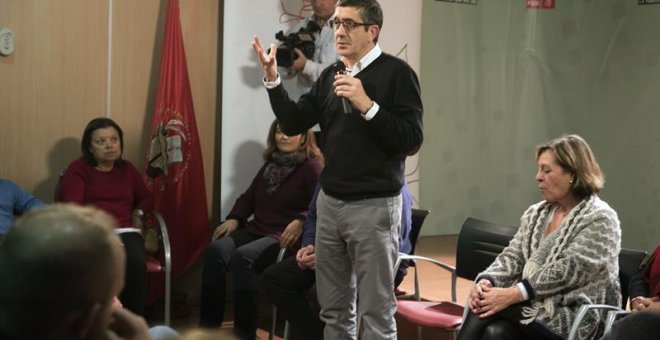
(629, 262)
(478, 244)
(418, 216)
(58, 188)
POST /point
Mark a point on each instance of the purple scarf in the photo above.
(279, 167)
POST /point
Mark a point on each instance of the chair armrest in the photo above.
(437, 263)
(167, 248)
(280, 254)
(582, 312)
(440, 264)
(612, 316)
(167, 252)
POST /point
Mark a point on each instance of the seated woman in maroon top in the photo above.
(270, 211)
(645, 285)
(103, 179)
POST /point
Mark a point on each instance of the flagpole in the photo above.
(109, 76)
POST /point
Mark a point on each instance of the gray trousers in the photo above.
(356, 247)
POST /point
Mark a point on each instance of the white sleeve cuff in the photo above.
(272, 84)
(371, 112)
(523, 291)
(310, 69)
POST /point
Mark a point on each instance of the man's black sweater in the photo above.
(363, 159)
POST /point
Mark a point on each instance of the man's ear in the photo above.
(374, 30)
(81, 322)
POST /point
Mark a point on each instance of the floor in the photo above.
(435, 283)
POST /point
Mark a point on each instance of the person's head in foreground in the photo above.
(61, 266)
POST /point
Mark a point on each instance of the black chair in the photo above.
(417, 220)
(629, 262)
(479, 242)
(418, 216)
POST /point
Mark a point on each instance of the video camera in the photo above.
(302, 40)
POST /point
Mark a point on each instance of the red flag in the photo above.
(174, 165)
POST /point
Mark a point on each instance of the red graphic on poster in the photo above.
(540, 4)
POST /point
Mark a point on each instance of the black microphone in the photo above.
(340, 68)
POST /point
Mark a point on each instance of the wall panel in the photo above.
(56, 81)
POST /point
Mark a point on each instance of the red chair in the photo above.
(478, 244)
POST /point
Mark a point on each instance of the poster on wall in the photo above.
(467, 2)
(540, 4)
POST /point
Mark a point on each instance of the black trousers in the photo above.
(135, 283)
(238, 252)
(288, 286)
(504, 325)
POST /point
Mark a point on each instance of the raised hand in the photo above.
(267, 61)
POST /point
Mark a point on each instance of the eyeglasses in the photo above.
(348, 24)
(105, 141)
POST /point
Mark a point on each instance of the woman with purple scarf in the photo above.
(271, 211)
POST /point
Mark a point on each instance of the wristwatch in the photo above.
(138, 212)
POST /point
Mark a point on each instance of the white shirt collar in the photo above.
(366, 60)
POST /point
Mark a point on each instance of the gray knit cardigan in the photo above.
(577, 264)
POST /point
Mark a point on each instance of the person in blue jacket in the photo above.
(14, 201)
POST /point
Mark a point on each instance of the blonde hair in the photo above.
(574, 155)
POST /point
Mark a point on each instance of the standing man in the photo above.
(304, 72)
(365, 147)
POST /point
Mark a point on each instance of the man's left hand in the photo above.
(351, 89)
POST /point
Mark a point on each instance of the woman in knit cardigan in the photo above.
(564, 255)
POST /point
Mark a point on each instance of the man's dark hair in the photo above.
(370, 12)
(54, 262)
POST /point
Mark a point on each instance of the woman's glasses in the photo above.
(105, 141)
